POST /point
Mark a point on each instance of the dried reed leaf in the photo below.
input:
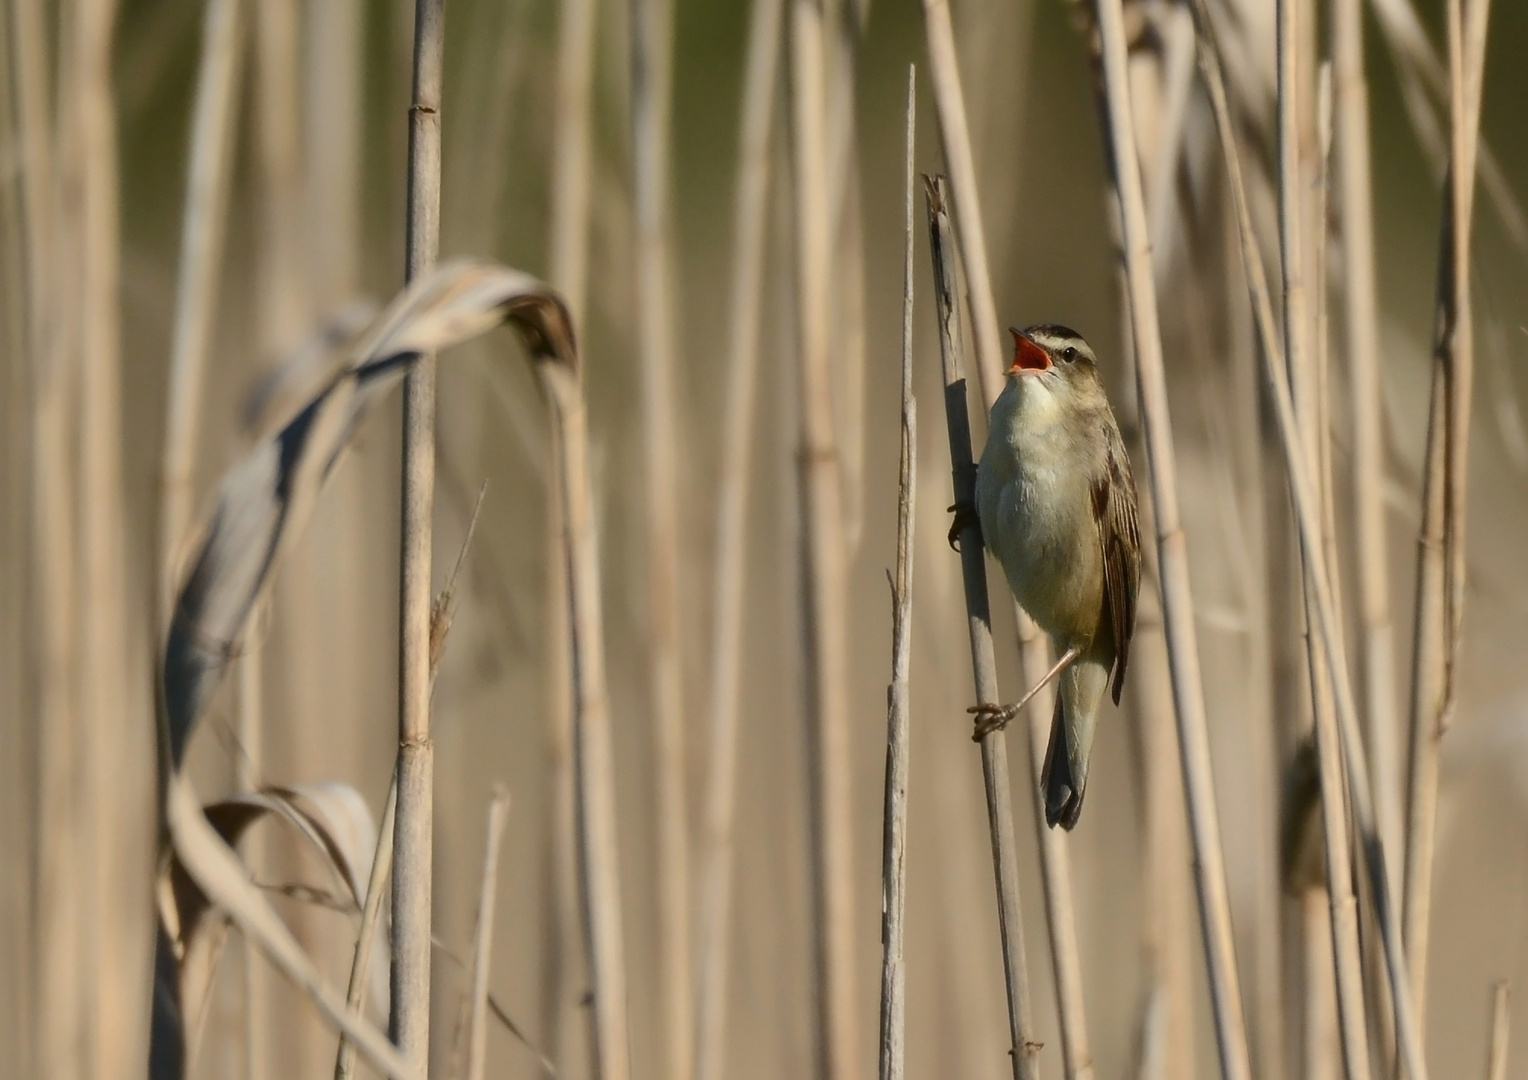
(214, 869)
(266, 499)
(264, 502)
(332, 818)
(306, 369)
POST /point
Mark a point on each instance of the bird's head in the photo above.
(1055, 363)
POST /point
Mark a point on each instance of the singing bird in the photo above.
(1056, 502)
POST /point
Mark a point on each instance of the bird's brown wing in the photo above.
(1114, 513)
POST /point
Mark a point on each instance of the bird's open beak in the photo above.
(1028, 358)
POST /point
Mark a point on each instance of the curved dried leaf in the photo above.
(266, 499)
(213, 867)
(332, 818)
(302, 372)
(263, 504)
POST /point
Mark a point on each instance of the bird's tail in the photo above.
(1064, 777)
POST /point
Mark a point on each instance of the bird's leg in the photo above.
(965, 518)
(990, 718)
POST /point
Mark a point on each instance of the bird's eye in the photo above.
(1069, 354)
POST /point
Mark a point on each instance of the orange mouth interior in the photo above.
(1028, 356)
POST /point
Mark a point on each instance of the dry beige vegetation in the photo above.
(652, 622)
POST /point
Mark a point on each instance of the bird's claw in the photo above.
(965, 518)
(990, 718)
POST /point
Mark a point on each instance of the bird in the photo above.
(1056, 505)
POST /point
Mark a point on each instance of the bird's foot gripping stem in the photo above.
(990, 718)
(965, 518)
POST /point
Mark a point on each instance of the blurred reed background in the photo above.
(203, 204)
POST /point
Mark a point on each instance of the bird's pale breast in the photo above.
(1037, 517)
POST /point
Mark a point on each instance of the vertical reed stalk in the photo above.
(1323, 1037)
(1441, 554)
(409, 1022)
(281, 292)
(1296, 157)
(1170, 915)
(824, 578)
(750, 214)
(51, 606)
(1361, 324)
(898, 734)
(652, 42)
(1024, 1048)
(1496, 1062)
(1055, 865)
(1172, 554)
(846, 19)
(335, 86)
(116, 836)
(571, 184)
(282, 285)
(482, 949)
(594, 767)
(573, 151)
(955, 134)
(371, 912)
(213, 127)
(1306, 500)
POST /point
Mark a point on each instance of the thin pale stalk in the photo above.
(1323, 1038)
(1297, 156)
(562, 962)
(846, 24)
(1024, 1047)
(371, 911)
(333, 144)
(17, 783)
(1441, 556)
(203, 225)
(898, 733)
(955, 134)
(1496, 1062)
(482, 950)
(824, 610)
(1055, 865)
(594, 766)
(1172, 554)
(652, 40)
(1306, 500)
(282, 285)
(1170, 918)
(750, 214)
(573, 151)
(409, 1022)
(247, 779)
(114, 800)
(282, 289)
(572, 178)
(1361, 324)
(51, 609)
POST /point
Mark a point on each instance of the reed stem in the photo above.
(652, 24)
(1024, 1047)
(409, 1022)
(1172, 554)
(1441, 554)
(824, 608)
(750, 214)
(898, 734)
